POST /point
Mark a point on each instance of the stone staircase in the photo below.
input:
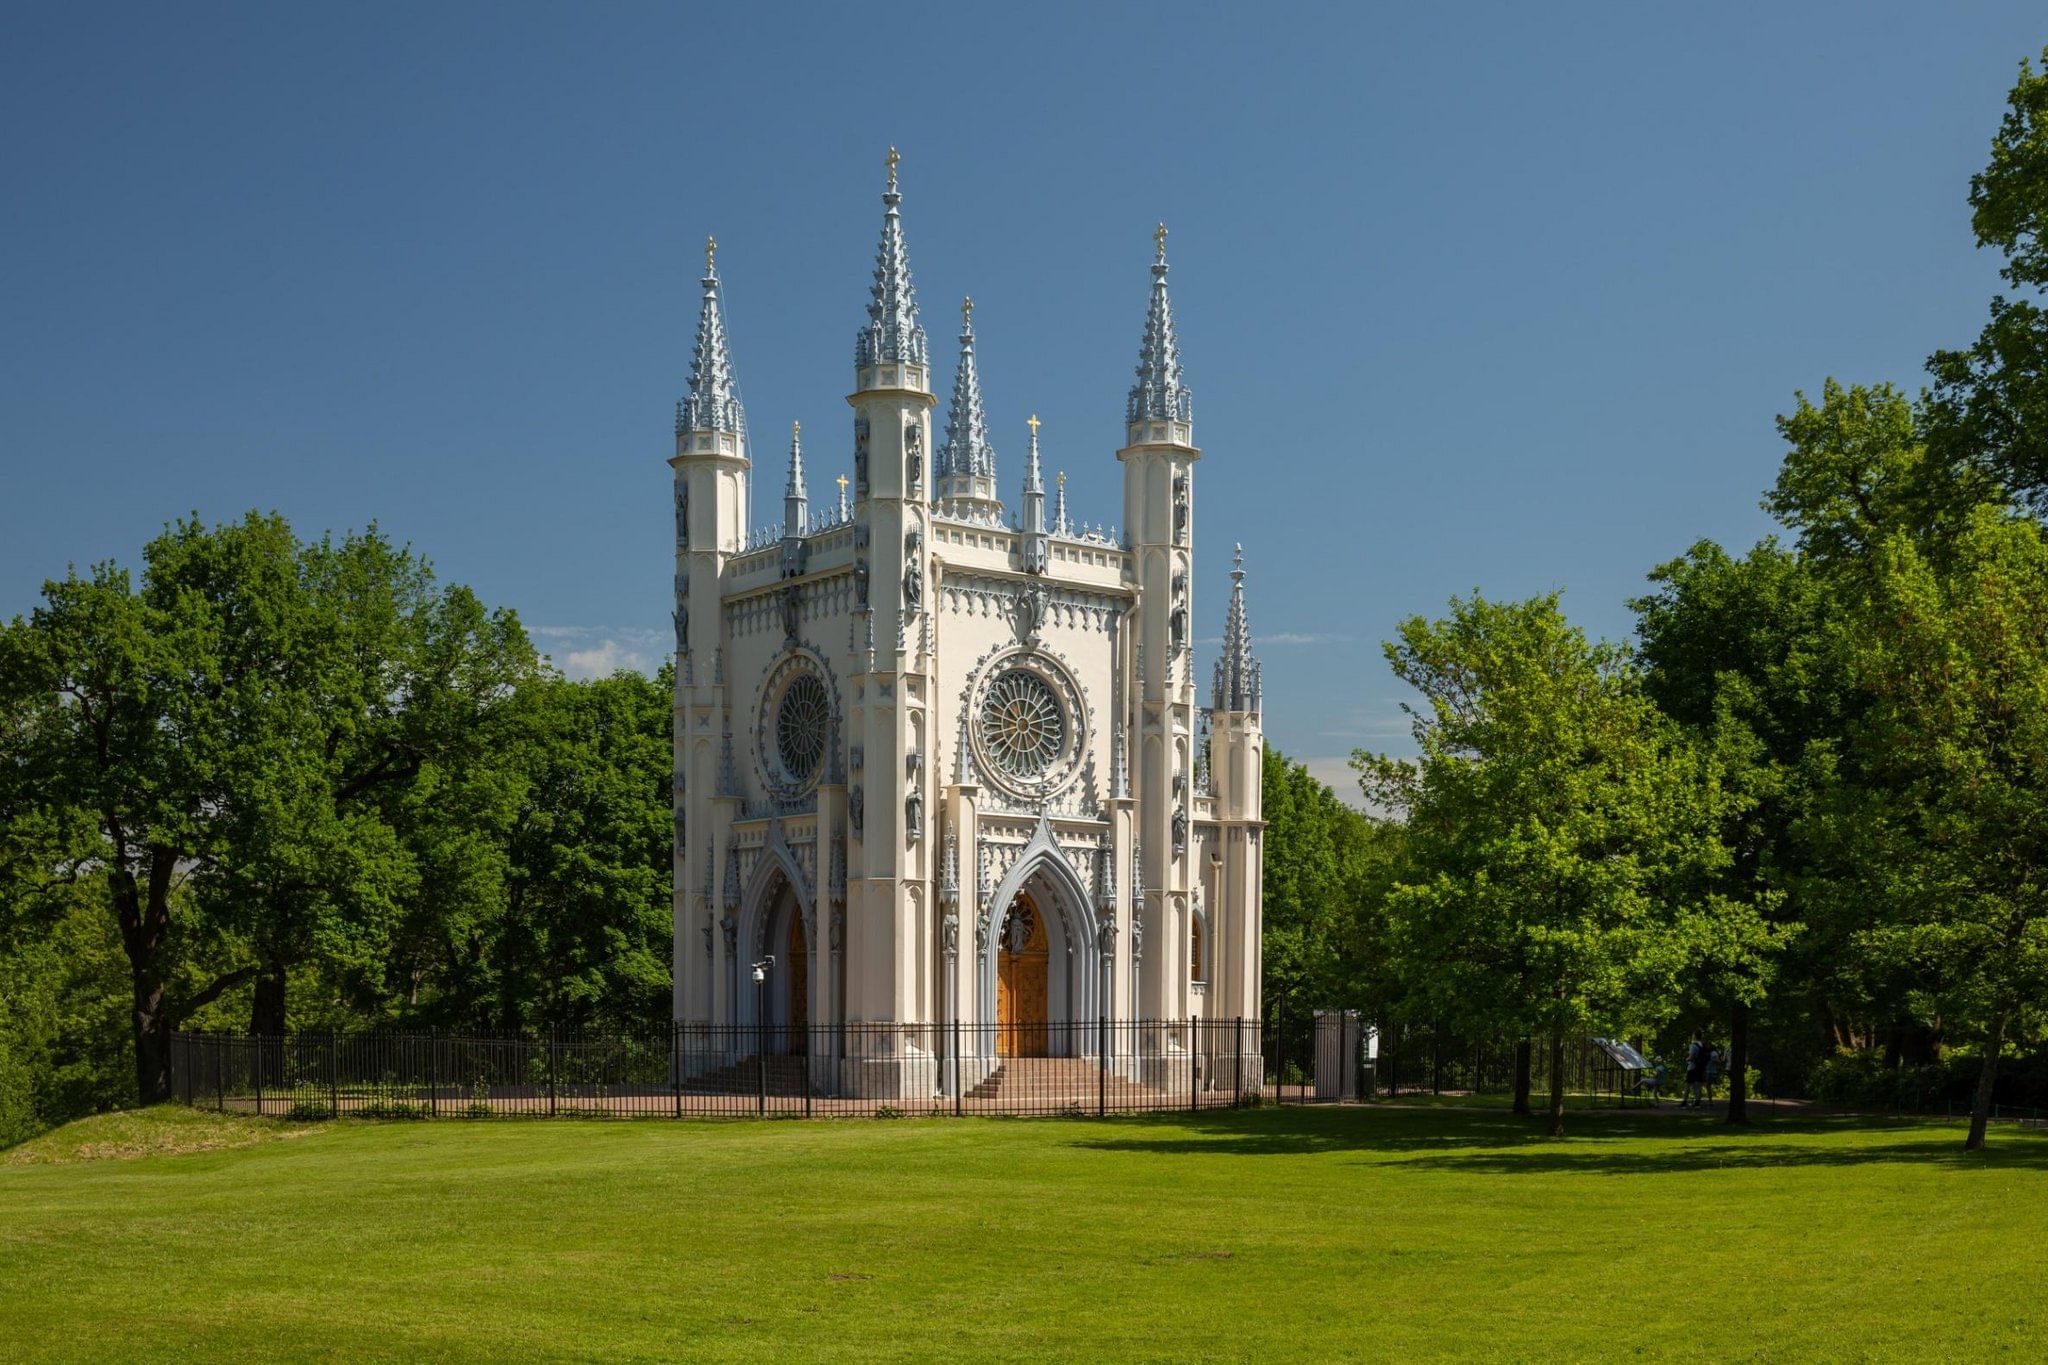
(1059, 1083)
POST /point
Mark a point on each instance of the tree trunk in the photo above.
(1557, 1083)
(152, 1035)
(267, 1005)
(1738, 1063)
(1980, 1112)
(1522, 1051)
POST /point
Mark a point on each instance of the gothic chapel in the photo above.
(936, 762)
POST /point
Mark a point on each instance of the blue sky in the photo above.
(1501, 297)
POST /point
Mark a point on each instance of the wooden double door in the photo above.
(1023, 983)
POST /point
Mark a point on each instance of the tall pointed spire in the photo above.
(1033, 520)
(1160, 393)
(795, 502)
(967, 461)
(1238, 686)
(893, 334)
(713, 402)
(1059, 508)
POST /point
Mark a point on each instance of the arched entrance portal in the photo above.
(1023, 981)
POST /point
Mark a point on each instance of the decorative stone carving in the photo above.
(730, 927)
(860, 456)
(792, 612)
(854, 810)
(913, 571)
(913, 454)
(682, 514)
(1180, 831)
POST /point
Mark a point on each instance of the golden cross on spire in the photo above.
(842, 488)
(1063, 478)
(967, 309)
(894, 157)
(1032, 422)
(710, 254)
(796, 429)
(1159, 240)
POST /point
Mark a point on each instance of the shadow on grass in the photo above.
(1478, 1142)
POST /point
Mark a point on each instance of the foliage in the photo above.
(1326, 870)
(1561, 832)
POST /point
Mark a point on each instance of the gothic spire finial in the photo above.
(1161, 392)
(967, 460)
(795, 500)
(1237, 683)
(1059, 507)
(893, 334)
(712, 403)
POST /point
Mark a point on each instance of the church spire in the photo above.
(1238, 686)
(713, 402)
(795, 501)
(893, 335)
(1059, 507)
(967, 462)
(1033, 522)
(1160, 394)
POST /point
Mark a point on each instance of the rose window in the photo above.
(802, 721)
(1022, 724)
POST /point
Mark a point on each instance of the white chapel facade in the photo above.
(940, 760)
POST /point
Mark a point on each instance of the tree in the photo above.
(1325, 868)
(210, 745)
(1561, 830)
(1989, 407)
(1745, 654)
(1955, 838)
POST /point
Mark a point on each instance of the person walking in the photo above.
(1695, 1073)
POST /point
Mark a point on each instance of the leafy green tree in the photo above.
(1954, 837)
(1561, 831)
(1745, 653)
(1989, 408)
(211, 744)
(1326, 870)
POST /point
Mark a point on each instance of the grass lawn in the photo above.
(1386, 1231)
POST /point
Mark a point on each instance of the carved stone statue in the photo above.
(913, 571)
(860, 580)
(792, 611)
(860, 455)
(681, 617)
(949, 933)
(913, 814)
(1180, 830)
(854, 810)
(730, 927)
(682, 514)
(1180, 507)
(913, 450)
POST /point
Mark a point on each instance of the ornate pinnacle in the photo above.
(1161, 392)
(1059, 507)
(967, 453)
(712, 402)
(893, 334)
(1236, 686)
(894, 157)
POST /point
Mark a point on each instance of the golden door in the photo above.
(1021, 983)
(799, 960)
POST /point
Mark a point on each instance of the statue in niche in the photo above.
(707, 938)
(913, 814)
(949, 933)
(913, 571)
(860, 455)
(1180, 506)
(838, 927)
(1033, 606)
(913, 449)
(792, 612)
(731, 928)
(1180, 830)
(860, 580)
(682, 514)
(854, 808)
(681, 617)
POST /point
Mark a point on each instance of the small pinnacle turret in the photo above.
(1237, 685)
(795, 501)
(1060, 526)
(893, 334)
(712, 403)
(1160, 393)
(966, 467)
(1032, 522)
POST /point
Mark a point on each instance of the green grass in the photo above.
(1377, 1232)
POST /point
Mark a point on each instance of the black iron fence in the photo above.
(691, 1070)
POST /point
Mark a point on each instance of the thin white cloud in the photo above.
(1336, 774)
(1283, 637)
(600, 651)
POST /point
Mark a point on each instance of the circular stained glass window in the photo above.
(1022, 724)
(802, 720)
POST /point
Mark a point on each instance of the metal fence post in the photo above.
(551, 1069)
(1237, 1064)
(256, 1071)
(1102, 1067)
(1194, 1093)
(959, 1081)
(434, 1071)
(333, 1078)
(675, 1063)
